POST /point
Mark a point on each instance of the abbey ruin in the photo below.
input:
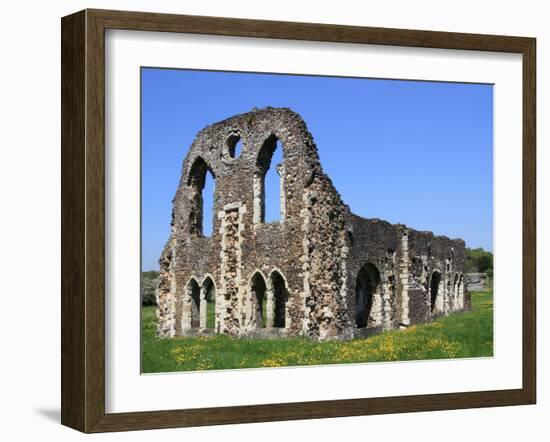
(321, 271)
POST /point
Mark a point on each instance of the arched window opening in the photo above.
(202, 187)
(208, 204)
(258, 299)
(280, 298)
(368, 280)
(434, 288)
(234, 146)
(269, 201)
(210, 296)
(194, 292)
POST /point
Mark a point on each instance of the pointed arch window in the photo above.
(367, 286)
(209, 294)
(277, 300)
(193, 293)
(258, 299)
(434, 290)
(269, 197)
(202, 184)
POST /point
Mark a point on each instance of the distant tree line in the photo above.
(148, 287)
(479, 261)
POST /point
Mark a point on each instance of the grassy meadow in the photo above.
(460, 335)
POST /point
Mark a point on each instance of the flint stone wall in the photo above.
(321, 271)
(476, 281)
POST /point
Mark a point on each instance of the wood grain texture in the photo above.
(73, 255)
(83, 219)
(145, 21)
(95, 221)
(529, 221)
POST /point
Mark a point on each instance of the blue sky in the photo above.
(417, 153)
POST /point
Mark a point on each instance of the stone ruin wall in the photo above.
(436, 283)
(382, 256)
(477, 281)
(405, 262)
(300, 247)
(315, 252)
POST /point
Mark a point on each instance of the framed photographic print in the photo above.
(271, 220)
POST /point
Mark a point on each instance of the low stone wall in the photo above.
(476, 281)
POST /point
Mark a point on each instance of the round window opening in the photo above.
(234, 146)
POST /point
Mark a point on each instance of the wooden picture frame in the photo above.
(83, 220)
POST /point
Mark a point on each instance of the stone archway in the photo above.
(277, 298)
(435, 281)
(190, 310)
(367, 292)
(208, 303)
(258, 300)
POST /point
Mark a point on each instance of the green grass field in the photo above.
(461, 335)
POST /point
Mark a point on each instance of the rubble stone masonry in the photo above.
(321, 271)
